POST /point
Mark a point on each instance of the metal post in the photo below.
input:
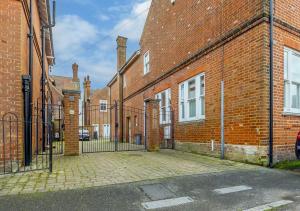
(82, 125)
(222, 122)
(271, 86)
(50, 135)
(145, 125)
(43, 93)
(27, 139)
(116, 126)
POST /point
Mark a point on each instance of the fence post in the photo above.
(71, 114)
(152, 123)
(116, 126)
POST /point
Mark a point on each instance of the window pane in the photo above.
(202, 106)
(182, 110)
(202, 86)
(163, 99)
(192, 89)
(295, 95)
(286, 94)
(163, 113)
(294, 67)
(192, 108)
(182, 92)
(286, 65)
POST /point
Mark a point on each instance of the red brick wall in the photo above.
(14, 49)
(174, 33)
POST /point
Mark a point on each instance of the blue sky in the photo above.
(86, 31)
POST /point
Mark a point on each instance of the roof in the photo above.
(65, 83)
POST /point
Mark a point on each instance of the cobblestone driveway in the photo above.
(101, 169)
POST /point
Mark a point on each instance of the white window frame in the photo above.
(167, 106)
(146, 62)
(101, 102)
(184, 100)
(289, 81)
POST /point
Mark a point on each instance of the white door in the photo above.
(106, 131)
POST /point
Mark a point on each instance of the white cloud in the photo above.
(103, 17)
(79, 40)
(132, 26)
(72, 34)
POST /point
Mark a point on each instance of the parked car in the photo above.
(84, 135)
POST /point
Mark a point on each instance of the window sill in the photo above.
(289, 113)
(191, 121)
(146, 73)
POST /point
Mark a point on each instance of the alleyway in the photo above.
(100, 169)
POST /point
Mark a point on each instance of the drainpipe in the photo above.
(271, 84)
(27, 89)
(44, 28)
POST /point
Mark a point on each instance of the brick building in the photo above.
(97, 110)
(60, 84)
(189, 47)
(21, 63)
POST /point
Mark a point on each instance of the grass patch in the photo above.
(288, 165)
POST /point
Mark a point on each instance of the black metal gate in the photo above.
(103, 129)
(111, 128)
(13, 142)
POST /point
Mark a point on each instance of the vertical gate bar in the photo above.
(145, 124)
(59, 130)
(3, 128)
(18, 163)
(10, 132)
(116, 126)
(82, 123)
(36, 133)
(50, 140)
(172, 129)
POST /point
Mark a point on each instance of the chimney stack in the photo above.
(75, 72)
(121, 51)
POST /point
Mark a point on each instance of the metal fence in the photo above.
(110, 128)
(100, 129)
(12, 144)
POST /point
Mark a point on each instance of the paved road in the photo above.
(264, 186)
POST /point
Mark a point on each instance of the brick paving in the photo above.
(100, 169)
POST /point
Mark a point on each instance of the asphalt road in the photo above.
(265, 186)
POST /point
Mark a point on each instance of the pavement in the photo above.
(206, 192)
(101, 169)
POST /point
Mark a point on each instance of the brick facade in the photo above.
(229, 41)
(71, 121)
(14, 61)
(97, 119)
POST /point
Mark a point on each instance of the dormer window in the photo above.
(146, 62)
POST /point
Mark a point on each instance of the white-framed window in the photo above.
(291, 81)
(192, 99)
(146, 62)
(103, 105)
(164, 106)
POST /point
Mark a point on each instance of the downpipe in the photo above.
(27, 89)
(271, 120)
(43, 81)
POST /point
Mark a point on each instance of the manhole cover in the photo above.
(157, 191)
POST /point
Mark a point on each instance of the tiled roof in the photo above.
(65, 83)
